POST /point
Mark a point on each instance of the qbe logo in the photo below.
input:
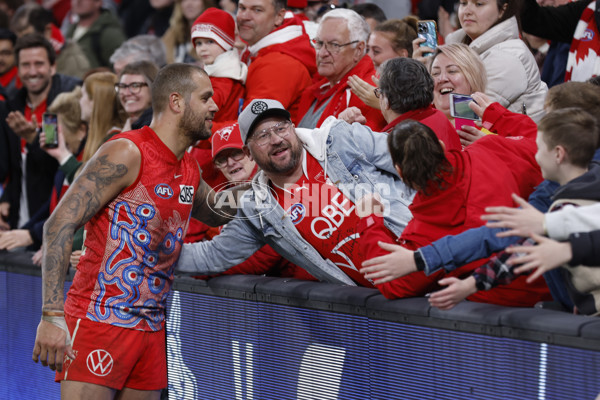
(186, 194)
(163, 191)
(99, 362)
(297, 213)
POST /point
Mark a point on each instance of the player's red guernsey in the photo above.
(132, 245)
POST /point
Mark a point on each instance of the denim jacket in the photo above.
(353, 157)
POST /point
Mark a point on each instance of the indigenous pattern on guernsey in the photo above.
(133, 244)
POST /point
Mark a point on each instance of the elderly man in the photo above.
(280, 60)
(341, 44)
(303, 201)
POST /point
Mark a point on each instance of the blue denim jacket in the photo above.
(353, 157)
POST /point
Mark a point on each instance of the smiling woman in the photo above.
(455, 68)
(135, 93)
(491, 29)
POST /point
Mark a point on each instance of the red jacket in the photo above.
(485, 174)
(281, 71)
(436, 120)
(227, 95)
(342, 97)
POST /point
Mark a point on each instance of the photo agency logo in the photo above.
(317, 201)
(229, 201)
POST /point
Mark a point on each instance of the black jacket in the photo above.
(555, 23)
(39, 165)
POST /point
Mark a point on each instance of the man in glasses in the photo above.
(281, 61)
(341, 46)
(303, 201)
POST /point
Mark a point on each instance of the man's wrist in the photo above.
(53, 313)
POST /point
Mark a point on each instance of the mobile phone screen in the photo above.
(459, 107)
(50, 127)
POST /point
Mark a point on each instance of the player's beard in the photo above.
(193, 125)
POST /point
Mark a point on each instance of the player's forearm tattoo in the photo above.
(76, 209)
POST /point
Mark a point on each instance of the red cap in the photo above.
(217, 25)
(228, 137)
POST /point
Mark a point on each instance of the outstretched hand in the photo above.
(352, 115)
(457, 291)
(520, 221)
(546, 255)
(364, 91)
(397, 263)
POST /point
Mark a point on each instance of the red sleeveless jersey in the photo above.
(132, 245)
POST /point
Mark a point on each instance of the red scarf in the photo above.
(584, 55)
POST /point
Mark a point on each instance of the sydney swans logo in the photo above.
(99, 362)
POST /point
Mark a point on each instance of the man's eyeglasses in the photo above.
(221, 160)
(333, 48)
(133, 87)
(282, 129)
(377, 92)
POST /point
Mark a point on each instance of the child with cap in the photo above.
(213, 36)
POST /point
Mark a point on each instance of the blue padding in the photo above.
(468, 311)
(545, 320)
(413, 306)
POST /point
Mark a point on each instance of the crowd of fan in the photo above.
(93, 64)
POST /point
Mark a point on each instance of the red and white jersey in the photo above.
(132, 245)
(325, 218)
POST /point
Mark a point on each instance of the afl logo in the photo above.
(163, 191)
(297, 212)
(259, 107)
(99, 362)
(587, 35)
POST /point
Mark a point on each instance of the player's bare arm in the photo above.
(209, 209)
(114, 167)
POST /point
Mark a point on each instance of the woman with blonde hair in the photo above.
(101, 109)
(456, 68)
(177, 38)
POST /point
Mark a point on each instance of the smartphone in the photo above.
(50, 128)
(426, 30)
(459, 107)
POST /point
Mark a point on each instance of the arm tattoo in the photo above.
(78, 206)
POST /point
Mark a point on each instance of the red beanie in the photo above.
(228, 137)
(217, 25)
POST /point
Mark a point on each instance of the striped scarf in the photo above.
(584, 55)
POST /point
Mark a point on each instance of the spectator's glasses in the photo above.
(377, 92)
(263, 137)
(333, 48)
(221, 160)
(134, 87)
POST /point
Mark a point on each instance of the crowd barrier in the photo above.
(256, 337)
